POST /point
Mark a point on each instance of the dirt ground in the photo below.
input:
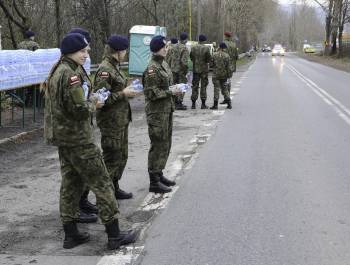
(30, 182)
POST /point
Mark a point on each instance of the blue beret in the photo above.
(202, 38)
(183, 36)
(29, 34)
(72, 43)
(174, 40)
(82, 32)
(118, 42)
(223, 45)
(157, 43)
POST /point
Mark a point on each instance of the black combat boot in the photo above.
(121, 194)
(215, 106)
(166, 181)
(180, 106)
(193, 104)
(203, 104)
(229, 104)
(155, 185)
(72, 236)
(85, 205)
(86, 218)
(223, 102)
(116, 238)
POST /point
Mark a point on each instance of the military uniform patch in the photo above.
(151, 71)
(104, 74)
(74, 80)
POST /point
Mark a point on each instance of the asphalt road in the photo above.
(272, 186)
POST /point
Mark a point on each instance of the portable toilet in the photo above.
(140, 54)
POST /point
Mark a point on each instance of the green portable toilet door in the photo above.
(139, 53)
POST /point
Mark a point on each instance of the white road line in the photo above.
(342, 111)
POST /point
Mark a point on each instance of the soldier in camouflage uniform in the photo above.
(221, 72)
(159, 110)
(88, 211)
(28, 43)
(68, 125)
(179, 67)
(113, 119)
(200, 56)
(233, 53)
(169, 58)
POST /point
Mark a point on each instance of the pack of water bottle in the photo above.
(179, 88)
(20, 68)
(102, 94)
(137, 85)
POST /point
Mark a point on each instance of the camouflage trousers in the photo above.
(220, 85)
(180, 78)
(201, 78)
(115, 153)
(160, 129)
(83, 166)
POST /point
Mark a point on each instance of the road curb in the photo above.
(20, 137)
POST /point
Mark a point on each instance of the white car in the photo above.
(278, 50)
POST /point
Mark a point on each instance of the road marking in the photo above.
(342, 111)
(122, 257)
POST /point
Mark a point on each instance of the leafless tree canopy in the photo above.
(251, 21)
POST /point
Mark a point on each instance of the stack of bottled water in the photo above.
(137, 86)
(179, 88)
(20, 68)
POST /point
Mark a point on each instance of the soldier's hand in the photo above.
(177, 93)
(99, 104)
(129, 92)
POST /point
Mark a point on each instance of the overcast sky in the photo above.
(291, 1)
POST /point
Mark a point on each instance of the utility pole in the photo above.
(199, 18)
(190, 17)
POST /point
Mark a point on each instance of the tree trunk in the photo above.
(340, 40)
(13, 40)
(327, 47)
(58, 22)
(334, 43)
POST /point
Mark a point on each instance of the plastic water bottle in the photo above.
(136, 85)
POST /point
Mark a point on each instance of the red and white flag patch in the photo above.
(104, 74)
(151, 71)
(74, 80)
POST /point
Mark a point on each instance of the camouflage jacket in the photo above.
(67, 111)
(28, 45)
(221, 65)
(200, 56)
(156, 81)
(170, 58)
(232, 52)
(116, 112)
(179, 58)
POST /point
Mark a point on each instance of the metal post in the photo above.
(34, 102)
(0, 109)
(12, 108)
(24, 104)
